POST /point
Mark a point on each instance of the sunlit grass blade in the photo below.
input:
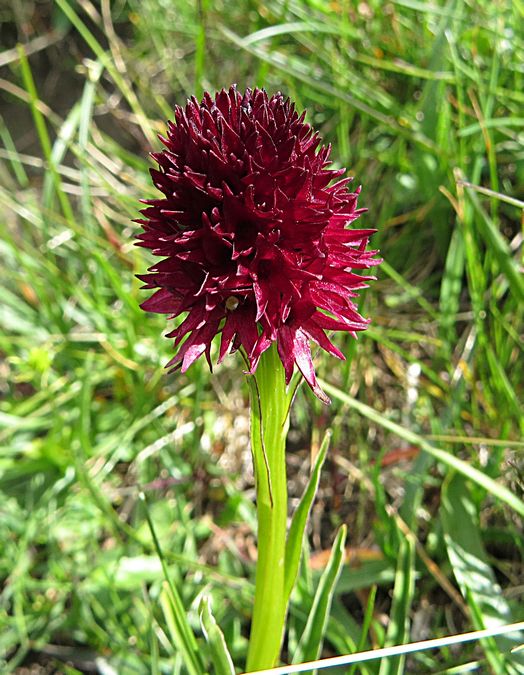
(87, 103)
(492, 193)
(64, 139)
(310, 644)
(43, 134)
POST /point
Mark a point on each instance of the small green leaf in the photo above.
(222, 661)
(299, 520)
(310, 644)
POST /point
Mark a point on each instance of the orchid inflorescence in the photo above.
(252, 226)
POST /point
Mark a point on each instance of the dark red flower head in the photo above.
(252, 229)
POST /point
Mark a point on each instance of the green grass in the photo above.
(423, 103)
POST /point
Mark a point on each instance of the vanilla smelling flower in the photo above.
(253, 231)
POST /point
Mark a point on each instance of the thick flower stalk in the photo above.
(252, 227)
(253, 231)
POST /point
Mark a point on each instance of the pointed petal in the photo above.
(304, 361)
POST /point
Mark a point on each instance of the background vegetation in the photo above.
(420, 100)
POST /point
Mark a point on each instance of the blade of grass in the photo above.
(471, 568)
(153, 639)
(222, 662)
(498, 247)
(64, 137)
(18, 166)
(200, 48)
(299, 519)
(451, 286)
(181, 632)
(398, 627)
(495, 489)
(86, 112)
(108, 64)
(491, 193)
(366, 624)
(310, 644)
(502, 383)
(43, 134)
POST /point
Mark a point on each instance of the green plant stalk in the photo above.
(269, 425)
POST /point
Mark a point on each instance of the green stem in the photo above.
(269, 426)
